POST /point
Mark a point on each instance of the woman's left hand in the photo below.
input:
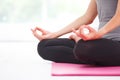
(91, 35)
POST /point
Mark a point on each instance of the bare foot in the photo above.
(75, 37)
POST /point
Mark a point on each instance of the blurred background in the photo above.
(17, 17)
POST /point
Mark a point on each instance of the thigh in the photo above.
(55, 45)
(101, 51)
(58, 50)
(59, 42)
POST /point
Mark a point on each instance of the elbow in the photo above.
(90, 21)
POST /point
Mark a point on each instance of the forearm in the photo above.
(75, 24)
(111, 25)
(87, 18)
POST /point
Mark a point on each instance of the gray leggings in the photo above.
(101, 52)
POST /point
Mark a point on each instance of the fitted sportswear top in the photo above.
(106, 10)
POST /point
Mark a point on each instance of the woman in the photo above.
(100, 47)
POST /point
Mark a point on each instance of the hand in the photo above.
(44, 34)
(74, 37)
(89, 36)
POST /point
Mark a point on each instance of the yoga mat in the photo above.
(66, 69)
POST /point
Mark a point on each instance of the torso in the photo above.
(106, 10)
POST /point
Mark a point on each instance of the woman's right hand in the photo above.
(44, 34)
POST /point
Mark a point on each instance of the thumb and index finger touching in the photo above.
(81, 33)
(39, 29)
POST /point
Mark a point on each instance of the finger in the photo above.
(84, 36)
(33, 30)
(75, 31)
(90, 29)
(39, 37)
(81, 30)
(41, 30)
(82, 33)
(71, 36)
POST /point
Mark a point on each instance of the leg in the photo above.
(102, 52)
(58, 50)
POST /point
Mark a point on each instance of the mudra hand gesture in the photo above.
(91, 35)
(44, 34)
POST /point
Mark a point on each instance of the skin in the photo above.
(79, 24)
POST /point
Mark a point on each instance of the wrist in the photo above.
(55, 35)
(101, 33)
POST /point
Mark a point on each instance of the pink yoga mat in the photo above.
(65, 69)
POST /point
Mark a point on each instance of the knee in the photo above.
(41, 49)
(83, 50)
